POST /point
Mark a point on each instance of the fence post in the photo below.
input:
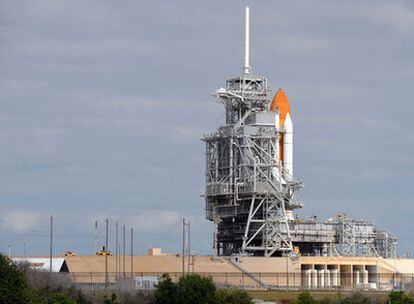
(294, 279)
(379, 280)
(260, 279)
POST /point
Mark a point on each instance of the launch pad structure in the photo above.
(251, 192)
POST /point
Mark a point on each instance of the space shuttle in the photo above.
(280, 105)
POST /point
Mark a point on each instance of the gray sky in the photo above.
(103, 104)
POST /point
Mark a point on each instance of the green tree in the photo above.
(13, 287)
(400, 297)
(60, 297)
(166, 291)
(233, 296)
(194, 288)
(111, 300)
(305, 298)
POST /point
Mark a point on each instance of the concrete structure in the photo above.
(154, 251)
(250, 190)
(250, 272)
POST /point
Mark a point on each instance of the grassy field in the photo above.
(288, 296)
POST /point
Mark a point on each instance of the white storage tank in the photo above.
(321, 278)
(328, 278)
(335, 277)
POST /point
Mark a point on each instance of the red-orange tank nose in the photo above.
(280, 102)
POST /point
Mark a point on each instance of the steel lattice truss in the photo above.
(246, 187)
(248, 193)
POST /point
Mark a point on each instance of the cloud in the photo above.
(82, 54)
(105, 103)
(155, 221)
(20, 221)
(294, 44)
(398, 16)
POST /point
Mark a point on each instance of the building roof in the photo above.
(43, 263)
(148, 264)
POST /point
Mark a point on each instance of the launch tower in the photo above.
(251, 192)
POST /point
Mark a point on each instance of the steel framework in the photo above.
(246, 187)
(251, 197)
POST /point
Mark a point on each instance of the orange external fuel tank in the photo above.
(281, 103)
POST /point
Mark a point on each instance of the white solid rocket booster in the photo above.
(288, 145)
(280, 105)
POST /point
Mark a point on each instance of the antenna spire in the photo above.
(246, 67)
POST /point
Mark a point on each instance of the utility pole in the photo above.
(123, 251)
(183, 261)
(188, 248)
(116, 250)
(119, 259)
(132, 252)
(106, 254)
(51, 247)
(95, 238)
(287, 271)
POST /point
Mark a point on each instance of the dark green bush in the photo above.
(166, 291)
(400, 297)
(232, 296)
(110, 300)
(305, 298)
(356, 298)
(194, 288)
(60, 297)
(13, 286)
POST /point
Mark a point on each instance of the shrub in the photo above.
(166, 291)
(111, 300)
(356, 298)
(400, 297)
(13, 287)
(331, 299)
(305, 298)
(233, 296)
(194, 288)
(60, 297)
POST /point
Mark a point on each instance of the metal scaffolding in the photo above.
(246, 187)
(250, 194)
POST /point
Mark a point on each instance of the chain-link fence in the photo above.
(251, 281)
